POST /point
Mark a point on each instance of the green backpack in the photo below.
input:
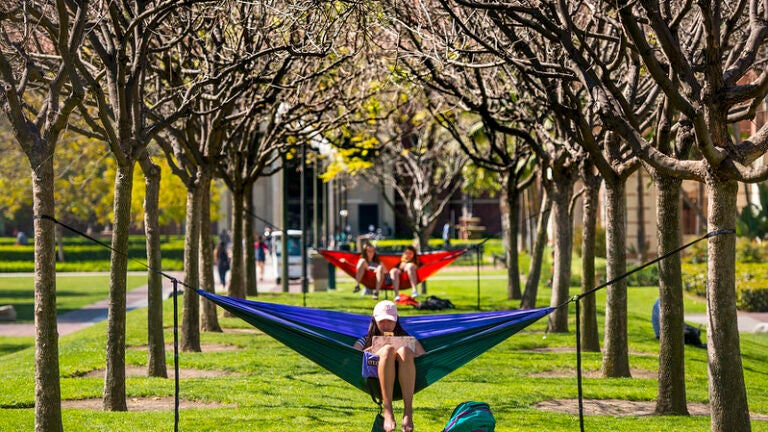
(471, 417)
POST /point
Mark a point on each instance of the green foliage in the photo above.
(83, 255)
(753, 299)
(750, 251)
(478, 180)
(648, 276)
(173, 197)
(578, 234)
(696, 254)
(753, 219)
(751, 284)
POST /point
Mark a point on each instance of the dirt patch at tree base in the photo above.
(571, 373)
(203, 348)
(620, 407)
(141, 371)
(157, 403)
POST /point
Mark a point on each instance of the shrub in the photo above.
(752, 299)
(748, 251)
(84, 255)
(648, 276)
(578, 233)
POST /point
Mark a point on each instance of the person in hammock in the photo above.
(393, 363)
(369, 260)
(409, 262)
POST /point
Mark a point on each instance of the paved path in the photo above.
(748, 321)
(73, 321)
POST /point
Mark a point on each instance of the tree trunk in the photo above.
(727, 394)
(616, 356)
(562, 189)
(250, 240)
(671, 399)
(114, 381)
(421, 243)
(236, 288)
(641, 246)
(190, 320)
(590, 338)
(47, 386)
(513, 217)
(209, 321)
(156, 366)
(537, 254)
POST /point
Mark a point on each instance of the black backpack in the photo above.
(435, 303)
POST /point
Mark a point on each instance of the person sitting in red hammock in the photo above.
(393, 363)
(369, 260)
(409, 262)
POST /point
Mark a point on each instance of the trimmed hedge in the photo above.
(751, 284)
(86, 256)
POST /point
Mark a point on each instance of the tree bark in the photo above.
(671, 399)
(236, 288)
(156, 366)
(537, 255)
(590, 338)
(512, 196)
(616, 354)
(209, 321)
(562, 188)
(727, 393)
(641, 246)
(47, 387)
(250, 240)
(114, 381)
(190, 320)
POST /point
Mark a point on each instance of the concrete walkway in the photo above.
(76, 320)
(749, 322)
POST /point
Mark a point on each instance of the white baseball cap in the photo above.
(385, 310)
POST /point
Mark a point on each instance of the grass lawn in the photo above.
(268, 387)
(72, 292)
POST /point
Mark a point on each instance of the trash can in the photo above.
(319, 273)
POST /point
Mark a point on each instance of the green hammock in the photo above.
(327, 337)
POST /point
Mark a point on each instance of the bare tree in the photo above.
(707, 61)
(423, 165)
(156, 366)
(114, 64)
(39, 40)
(296, 94)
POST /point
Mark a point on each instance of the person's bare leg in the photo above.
(410, 270)
(362, 266)
(379, 279)
(387, 359)
(395, 275)
(407, 377)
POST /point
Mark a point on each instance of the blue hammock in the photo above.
(326, 337)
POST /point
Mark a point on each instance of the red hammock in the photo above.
(430, 263)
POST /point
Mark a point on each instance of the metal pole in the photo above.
(176, 353)
(303, 216)
(315, 207)
(477, 257)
